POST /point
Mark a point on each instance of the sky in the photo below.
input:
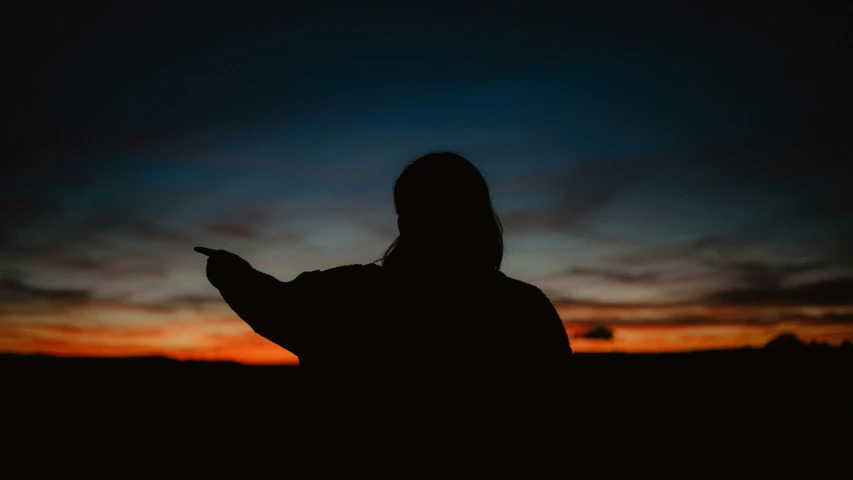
(674, 177)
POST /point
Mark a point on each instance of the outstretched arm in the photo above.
(257, 298)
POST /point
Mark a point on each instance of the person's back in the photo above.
(444, 370)
(376, 317)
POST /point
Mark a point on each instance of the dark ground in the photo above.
(740, 414)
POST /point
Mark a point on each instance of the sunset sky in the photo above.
(683, 178)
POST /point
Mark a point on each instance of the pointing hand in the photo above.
(224, 267)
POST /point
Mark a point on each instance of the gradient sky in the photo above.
(679, 174)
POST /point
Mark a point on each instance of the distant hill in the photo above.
(789, 342)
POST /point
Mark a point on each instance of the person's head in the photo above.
(445, 216)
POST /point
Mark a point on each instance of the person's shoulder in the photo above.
(356, 267)
(518, 285)
(522, 288)
(366, 270)
(343, 272)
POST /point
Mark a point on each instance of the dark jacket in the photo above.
(375, 317)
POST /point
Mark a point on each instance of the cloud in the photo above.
(836, 318)
(615, 276)
(762, 274)
(598, 333)
(717, 252)
(83, 226)
(691, 251)
(14, 291)
(71, 332)
(129, 242)
(85, 256)
(720, 268)
(698, 313)
(168, 340)
(582, 189)
(191, 300)
(77, 304)
(836, 291)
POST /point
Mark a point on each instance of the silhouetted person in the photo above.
(438, 299)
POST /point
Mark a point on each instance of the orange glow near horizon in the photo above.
(196, 335)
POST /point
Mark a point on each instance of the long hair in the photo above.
(445, 216)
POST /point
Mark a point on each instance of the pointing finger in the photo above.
(205, 251)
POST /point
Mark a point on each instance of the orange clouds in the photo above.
(182, 341)
(680, 328)
(653, 338)
(681, 313)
